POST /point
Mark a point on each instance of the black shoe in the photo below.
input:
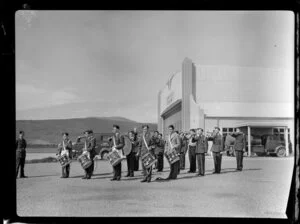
(89, 177)
(113, 179)
(144, 180)
(199, 174)
(215, 172)
(83, 177)
(191, 171)
(128, 175)
(23, 176)
(118, 178)
(131, 175)
(149, 180)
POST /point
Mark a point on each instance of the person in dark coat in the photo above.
(160, 153)
(20, 154)
(216, 148)
(132, 155)
(184, 148)
(201, 149)
(136, 158)
(239, 147)
(65, 147)
(192, 151)
(117, 142)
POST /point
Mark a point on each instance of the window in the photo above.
(280, 132)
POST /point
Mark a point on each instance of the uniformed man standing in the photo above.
(21, 154)
(239, 147)
(65, 147)
(146, 145)
(173, 143)
(90, 145)
(216, 148)
(201, 149)
(137, 159)
(118, 143)
(132, 155)
(160, 153)
(184, 146)
(192, 151)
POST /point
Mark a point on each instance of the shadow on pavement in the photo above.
(51, 175)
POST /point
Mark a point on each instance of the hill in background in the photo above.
(45, 132)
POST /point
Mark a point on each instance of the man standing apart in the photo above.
(201, 149)
(21, 154)
(217, 148)
(160, 153)
(239, 147)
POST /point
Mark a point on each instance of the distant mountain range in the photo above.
(43, 132)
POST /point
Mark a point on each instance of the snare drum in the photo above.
(148, 160)
(85, 161)
(115, 157)
(64, 160)
(172, 156)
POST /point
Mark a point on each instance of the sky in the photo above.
(72, 64)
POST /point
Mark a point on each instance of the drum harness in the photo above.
(148, 151)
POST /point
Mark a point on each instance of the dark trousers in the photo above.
(217, 161)
(239, 159)
(117, 170)
(160, 162)
(66, 171)
(147, 172)
(192, 157)
(182, 160)
(136, 162)
(20, 164)
(130, 163)
(174, 170)
(89, 171)
(201, 163)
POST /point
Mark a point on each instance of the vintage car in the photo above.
(102, 145)
(262, 145)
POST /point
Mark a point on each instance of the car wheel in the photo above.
(281, 152)
(104, 155)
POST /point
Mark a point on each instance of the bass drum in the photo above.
(127, 145)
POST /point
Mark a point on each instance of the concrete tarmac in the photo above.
(260, 190)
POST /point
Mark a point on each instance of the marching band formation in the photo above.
(148, 148)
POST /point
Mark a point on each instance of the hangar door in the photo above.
(173, 116)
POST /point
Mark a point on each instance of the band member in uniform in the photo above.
(239, 147)
(216, 148)
(201, 149)
(20, 154)
(155, 140)
(117, 141)
(173, 143)
(65, 145)
(136, 158)
(192, 151)
(160, 153)
(184, 145)
(146, 145)
(131, 157)
(90, 144)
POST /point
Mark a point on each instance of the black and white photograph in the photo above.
(144, 113)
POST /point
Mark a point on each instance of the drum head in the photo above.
(127, 145)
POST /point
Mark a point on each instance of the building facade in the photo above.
(228, 97)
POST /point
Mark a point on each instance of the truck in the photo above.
(263, 145)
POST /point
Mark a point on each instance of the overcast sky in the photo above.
(113, 63)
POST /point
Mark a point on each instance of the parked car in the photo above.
(102, 145)
(264, 145)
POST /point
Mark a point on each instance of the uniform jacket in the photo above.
(201, 143)
(21, 145)
(175, 142)
(149, 140)
(119, 140)
(68, 146)
(240, 141)
(90, 146)
(217, 140)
